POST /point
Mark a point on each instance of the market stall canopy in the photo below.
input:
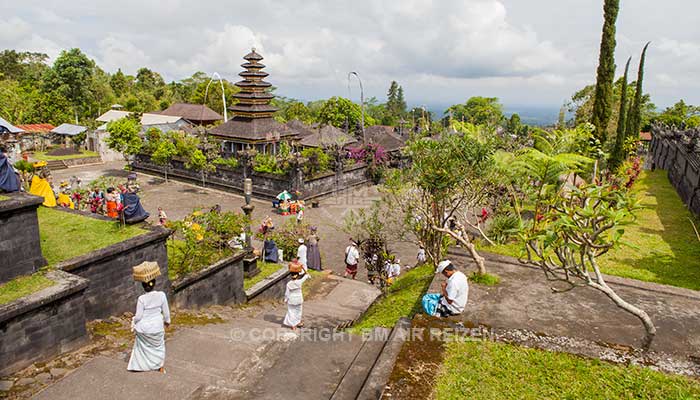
(6, 127)
(69, 129)
(284, 196)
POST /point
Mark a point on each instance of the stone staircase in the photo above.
(249, 357)
(55, 165)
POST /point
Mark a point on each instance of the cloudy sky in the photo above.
(526, 52)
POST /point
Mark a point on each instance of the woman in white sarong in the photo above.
(295, 300)
(152, 316)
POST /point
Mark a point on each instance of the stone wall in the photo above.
(20, 246)
(333, 182)
(220, 283)
(270, 288)
(73, 162)
(43, 324)
(264, 185)
(112, 290)
(678, 152)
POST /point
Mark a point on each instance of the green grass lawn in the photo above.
(266, 269)
(664, 248)
(22, 286)
(42, 156)
(66, 235)
(402, 299)
(488, 370)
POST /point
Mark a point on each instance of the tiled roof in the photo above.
(36, 128)
(192, 112)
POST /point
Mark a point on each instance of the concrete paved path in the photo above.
(179, 199)
(245, 357)
(524, 300)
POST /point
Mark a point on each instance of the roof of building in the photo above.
(327, 135)
(192, 112)
(36, 128)
(385, 136)
(69, 129)
(146, 118)
(645, 136)
(9, 127)
(266, 129)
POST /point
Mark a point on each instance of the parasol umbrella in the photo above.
(284, 196)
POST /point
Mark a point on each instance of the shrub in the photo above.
(504, 227)
(318, 161)
(202, 239)
(286, 236)
(267, 163)
(231, 163)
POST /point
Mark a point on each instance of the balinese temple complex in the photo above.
(253, 125)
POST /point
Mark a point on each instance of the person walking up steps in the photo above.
(294, 298)
(352, 257)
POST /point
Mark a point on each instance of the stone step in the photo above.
(354, 379)
(55, 165)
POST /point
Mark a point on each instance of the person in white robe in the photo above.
(301, 254)
(149, 322)
(294, 298)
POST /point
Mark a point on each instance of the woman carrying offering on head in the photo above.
(149, 323)
(294, 298)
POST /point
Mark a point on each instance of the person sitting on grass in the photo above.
(453, 298)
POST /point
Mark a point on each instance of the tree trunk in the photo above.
(637, 312)
(165, 172)
(478, 259)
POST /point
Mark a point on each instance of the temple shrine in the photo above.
(253, 125)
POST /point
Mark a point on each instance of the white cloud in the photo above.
(440, 50)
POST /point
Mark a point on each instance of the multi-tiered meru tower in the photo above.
(253, 125)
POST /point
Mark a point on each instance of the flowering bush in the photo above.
(374, 156)
(201, 239)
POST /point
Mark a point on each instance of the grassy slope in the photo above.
(22, 286)
(266, 269)
(664, 246)
(487, 370)
(42, 156)
(402, 299)
(65, 235)
(204, 260)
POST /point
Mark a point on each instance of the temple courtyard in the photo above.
(231, 352)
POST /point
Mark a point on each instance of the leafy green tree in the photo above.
(124, 136)
(71, 76)
(164, 152)
(299, 111)
(680, 116)
(617, 156)
(572, 229)
(602, 106)
(514, 126)
(447, 179)
(395, 105)
(634, 119)
(581, 105)
(213, 97)
(341, 113)
(148, 80)
(120, 83)
(478, 111)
